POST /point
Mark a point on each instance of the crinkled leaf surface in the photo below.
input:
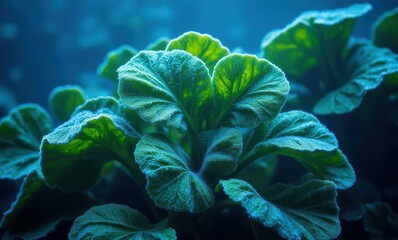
(114, 221)
(73, 155)
(64, 100)
(248, 90)
(113, 60)
(171, 183)
(171, 88)
(313, 40)
(39, 209)
(158, 45)
(20, 136)
(223, 149)
(203, 46)
(308, 211)
(385, 30)
(99, 105)
(380, 221)
(366, 67)
(301, 136)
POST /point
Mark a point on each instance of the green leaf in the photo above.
(203, 46)
(20, 136)
(366, 67)
(248, 90)
(64, 100)
(224, 147)
(385, 30)
(301, 136)
(171, 183)
(39, 209)
(313, 40)
(170, 88)
(308, 211)
(158, 45)
(113, 60)
(114, 221)
(72, 156)
(100, 105)
(380, 221)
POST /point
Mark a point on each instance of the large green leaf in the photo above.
(248, 90)
(308, 211)
(64, 100)
(114, 221)
(385, 30)
(20, 136)
(301, 136)
(171, 182)
(203, 46)
(39, 209)
(113, 60)
(223, 149)
(366, 68)
(313, 40)
(171, 88)
(73, 155)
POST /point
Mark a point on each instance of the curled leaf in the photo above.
(203, 46)
(171, 182)
(114, 221)
(171, 88)
(308, 211)
(248, 90)
(20, 135)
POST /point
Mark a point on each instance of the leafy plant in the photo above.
(199, 130)
(316, 51)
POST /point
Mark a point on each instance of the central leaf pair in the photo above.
(172, 182)
(175, 88)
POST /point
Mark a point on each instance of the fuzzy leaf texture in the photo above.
(223, 149)
(385, 30)
(170, 88)
(114, 221)
(64, 100)
(203, 46)
(367, 66)
(248, 90)
(308, 211)
(72, 156)
(113, 60)
(171, 182)
(20, 136)
(38, 209)
(301, 136)
(313, 39)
